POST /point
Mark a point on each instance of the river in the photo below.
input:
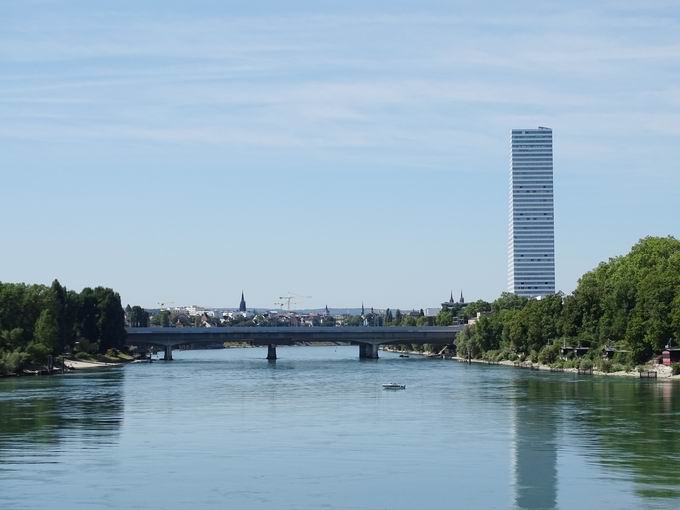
(221, 429)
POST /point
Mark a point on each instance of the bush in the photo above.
(37, 353)
(675, 367)
(533, 357)
(85, 346)
(85, 356)
(606, 366)
(623, 358)
(559, 363)
(586, 364)
(571, 363)
(490, 356)
(12, 362)
(549, 354)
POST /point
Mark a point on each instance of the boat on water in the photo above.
(394, 386)
(403, 355)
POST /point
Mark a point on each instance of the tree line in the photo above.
(630, 303)
(37, 321)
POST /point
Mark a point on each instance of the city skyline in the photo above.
(348, 152)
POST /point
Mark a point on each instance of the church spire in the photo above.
(242, 305)
(363, 312)
(327, 312)
(451, 298)
(461, 300)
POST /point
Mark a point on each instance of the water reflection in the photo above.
(86, 409)
(632, 428)
(628, 428)
(534, 449)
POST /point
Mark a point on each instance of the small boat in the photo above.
(394, 386)
(403, 355)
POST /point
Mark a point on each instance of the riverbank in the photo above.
(651, 371)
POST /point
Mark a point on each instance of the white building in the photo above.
(531, 245)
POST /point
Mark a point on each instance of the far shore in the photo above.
(662, 372)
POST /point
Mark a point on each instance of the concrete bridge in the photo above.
(367, 338)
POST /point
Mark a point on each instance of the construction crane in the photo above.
(288, 299)
(162, 305)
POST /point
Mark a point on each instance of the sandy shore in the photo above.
(73, 364)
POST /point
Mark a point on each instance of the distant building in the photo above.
(452, 304)
(447, 305)
(432, 312)
(242, 305)
(531, 247)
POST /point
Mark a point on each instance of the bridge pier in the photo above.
(271, 352)
(168, 353)
(368, 351)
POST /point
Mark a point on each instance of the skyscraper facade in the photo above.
(531, 244)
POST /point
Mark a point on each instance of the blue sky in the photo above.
(350, 151)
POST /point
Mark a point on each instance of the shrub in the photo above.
(559, 363)
(85, 356)
(571, 363)
(586, 364)
(623, 358)
(606, 366)
(85, 346)
(512, 356)
(12, 362)
(675, 367)
(533, 357)
(37, 352)
(549, 354)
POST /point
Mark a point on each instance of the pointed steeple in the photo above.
(451, 298)
(461, 300)
(327, 312)
(242, 305)
(363, 312)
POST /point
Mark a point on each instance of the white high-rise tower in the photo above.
(531, 247)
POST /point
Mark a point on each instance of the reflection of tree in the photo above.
(627, 426)
(50, 410)
(633, 427)
(534, 446)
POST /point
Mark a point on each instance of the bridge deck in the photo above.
(287, 335)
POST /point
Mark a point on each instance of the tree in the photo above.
(444, 318)
(111, 321)
(397, 318)
(164, 318)
(47, 331)
(138, 317)
(87, 316)
(389, 318)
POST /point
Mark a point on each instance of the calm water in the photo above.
(225, 429)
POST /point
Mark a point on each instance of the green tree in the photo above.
(138, 317)
(444, 318)
(47, 331)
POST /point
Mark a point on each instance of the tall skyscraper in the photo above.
(531, 247)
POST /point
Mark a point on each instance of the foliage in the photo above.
(37, 321)
(632, 302)
(137, 316)
(675, 367)
(11, 362)
(549, 354)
